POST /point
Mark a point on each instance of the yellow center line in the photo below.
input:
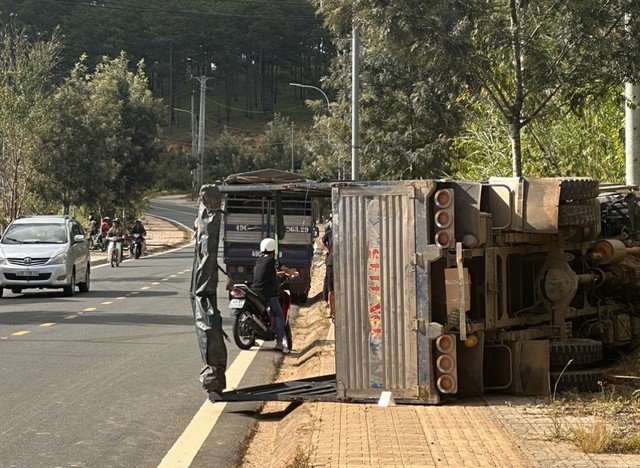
(164, 279)
(172, 276)
(120, 298)
(49, 324)
(155, 283)
(20, 333)
(69, 317)
(89, 309)
(107, 302)
(132, 293)
(145, 287)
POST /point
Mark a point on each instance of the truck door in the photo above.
(381, 289)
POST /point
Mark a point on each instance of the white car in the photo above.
(44, 252)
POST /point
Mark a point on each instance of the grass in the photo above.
(301, 459)
(606, 422)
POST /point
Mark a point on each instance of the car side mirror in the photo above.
(78, 238)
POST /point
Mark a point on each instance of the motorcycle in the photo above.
(114, 251)
(97, 241)
(252, 319)
(136, 245)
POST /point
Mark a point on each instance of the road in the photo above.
(110, 378)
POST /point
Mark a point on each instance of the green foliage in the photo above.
(25, 68)
(101, 148)
(282, 147)
(530, 60)
(587, 142)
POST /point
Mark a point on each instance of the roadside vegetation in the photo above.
(606, 421)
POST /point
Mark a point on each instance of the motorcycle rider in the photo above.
(117, 230)
(138, 228)
(265, 283)
(92, 228)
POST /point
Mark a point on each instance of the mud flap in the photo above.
(470, 365)
(204, 281)
(518, 368)
(531, 365)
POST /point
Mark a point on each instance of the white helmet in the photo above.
(267, 245)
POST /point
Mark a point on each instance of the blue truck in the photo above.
(261, 204)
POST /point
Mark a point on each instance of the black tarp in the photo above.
(204, 281)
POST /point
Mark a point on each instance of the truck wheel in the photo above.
(578, 189)
(582, 380)
(243, 333)
(288, 336)
(579, 215)
(582, 351)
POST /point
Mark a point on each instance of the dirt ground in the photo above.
(309, 358)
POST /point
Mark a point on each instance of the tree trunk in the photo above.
(516, 150)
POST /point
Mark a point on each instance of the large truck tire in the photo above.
(579, 214)
(582, 381)
(581, 188)
(583, 352)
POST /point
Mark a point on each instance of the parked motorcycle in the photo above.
(252, 319)
(98, 241)
(136, 246)
(114, 251)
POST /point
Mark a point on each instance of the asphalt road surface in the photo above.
(109, 378)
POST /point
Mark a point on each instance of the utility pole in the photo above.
(631, 126)
(291, 146)
(203, 92)
(355, 102)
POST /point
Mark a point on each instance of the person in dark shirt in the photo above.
(327, 243)
(265, 275)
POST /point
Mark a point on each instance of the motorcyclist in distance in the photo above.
(265, 275)
(106, 224)
(138, 228)
(117, 230)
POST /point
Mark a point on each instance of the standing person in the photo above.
(327, 244)
(264, 282)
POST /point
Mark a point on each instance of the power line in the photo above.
(125, 7)
(252, 111)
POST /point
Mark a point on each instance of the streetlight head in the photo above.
(295, 84)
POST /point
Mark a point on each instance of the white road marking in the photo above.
(188, 444)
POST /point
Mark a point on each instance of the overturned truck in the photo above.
(448, 289)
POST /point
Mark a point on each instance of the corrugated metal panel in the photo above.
(375, 282)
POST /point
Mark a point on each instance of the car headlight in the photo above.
(59, 259)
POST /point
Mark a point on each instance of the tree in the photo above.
(524, 56)
(132, 147)
(280, 149)
(26, 68)
(102, 148)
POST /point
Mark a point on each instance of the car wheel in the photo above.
(71, 289)
(1, 291)
(86, 284)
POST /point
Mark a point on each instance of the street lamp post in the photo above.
(299, 85)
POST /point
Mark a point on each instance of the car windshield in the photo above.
(37, 233)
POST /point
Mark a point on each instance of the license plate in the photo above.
(27, 273)
(236, 303)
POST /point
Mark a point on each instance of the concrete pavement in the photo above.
(493, 431)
